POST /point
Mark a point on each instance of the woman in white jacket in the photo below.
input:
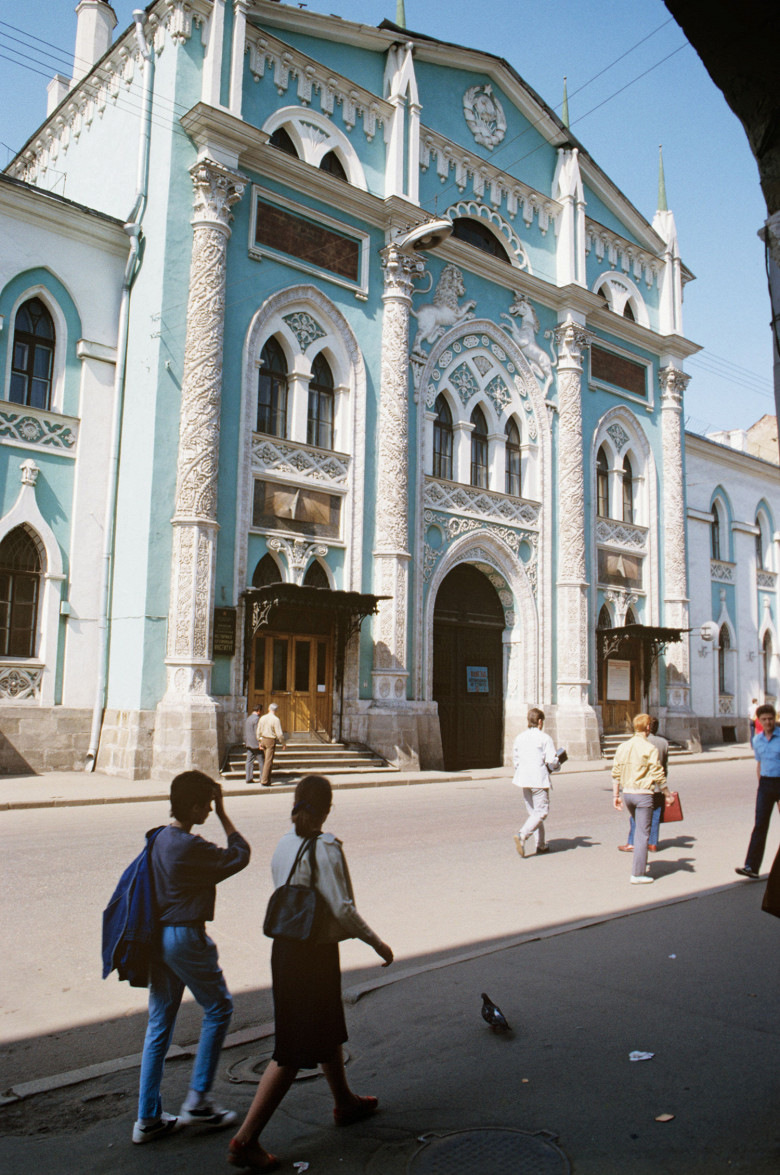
(308, 1012)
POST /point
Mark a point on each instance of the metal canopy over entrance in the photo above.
(626, 656)
(294, 650)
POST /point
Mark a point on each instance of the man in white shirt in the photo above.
(534, 757)
(270, 733)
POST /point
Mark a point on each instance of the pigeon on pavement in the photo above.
(493, 1015)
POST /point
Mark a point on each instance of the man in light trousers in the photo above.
(534, 757)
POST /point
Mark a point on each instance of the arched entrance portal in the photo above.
(468, 621)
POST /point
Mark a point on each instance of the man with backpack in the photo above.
(185, 870)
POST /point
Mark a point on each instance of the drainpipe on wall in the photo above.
(133, 230)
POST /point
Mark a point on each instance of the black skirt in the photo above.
(308, 1012)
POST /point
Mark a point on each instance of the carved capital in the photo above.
(673, 383)
(298, 554)
(571, 340)
(400, 270)
(217, 189)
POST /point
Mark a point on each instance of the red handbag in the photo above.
(673, 811)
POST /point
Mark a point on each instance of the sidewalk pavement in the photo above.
(692, 983)
(75, 788)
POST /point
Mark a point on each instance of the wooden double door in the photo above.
(295, 670)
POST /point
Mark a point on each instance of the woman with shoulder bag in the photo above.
(308, 1013)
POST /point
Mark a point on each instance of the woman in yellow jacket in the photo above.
(638, 773)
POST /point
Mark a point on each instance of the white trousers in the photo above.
(537, 802)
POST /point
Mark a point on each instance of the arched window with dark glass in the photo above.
(766, 665)
(630, 617)
(760, 562)
(628, 491)
(266, 572)
(442, 439)
(319, 426)
(33, 356)
(479, 450)
(724, 641)
(604, 620)
(602, 484)
(715, 532)
(20, 579)
(333, 165)
(316, 576)
(473, 232)
(282, 141)
(513, 459)
(272, 391)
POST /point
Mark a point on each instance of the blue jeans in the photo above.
(767, 796)
(640, 808)
(188, 959)
(655, 823)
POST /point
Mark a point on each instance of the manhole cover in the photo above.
(249, 1070)
(499, 1151)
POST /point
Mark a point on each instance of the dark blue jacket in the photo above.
(130, 921)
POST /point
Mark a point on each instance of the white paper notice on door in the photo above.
(618, 681)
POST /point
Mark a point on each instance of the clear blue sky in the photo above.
(658, 92)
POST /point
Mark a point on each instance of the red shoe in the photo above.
(652, 848)
(363, 1107)
(250, 1156)
(625, 848)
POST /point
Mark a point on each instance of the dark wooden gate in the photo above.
(468, 669)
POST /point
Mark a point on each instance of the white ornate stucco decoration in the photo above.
(435, 317)
(573, 677)
(673, 383)
(621, 600)
(479, 211)
(485, 116)
(288, 459)
(391, 549)
(298, 554)
(524, 335)
(305, 328)
(216, 190)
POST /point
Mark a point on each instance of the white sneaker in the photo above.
(207, 1114)
(520, 844)
(642, 880)
(165, 1124)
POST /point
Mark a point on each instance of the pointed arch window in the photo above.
(33, 356)
(715, 544)
(266, 572)
(333, 165)
(319, 426)
(724, 641)
(316, 576)
(442, 440)
(479, 235)
(282, 141)
(602, 484)
(513, 459)
(272, 391)
(479, 450)
(628, 491)
(20, 577)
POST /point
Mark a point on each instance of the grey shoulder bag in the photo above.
(295, 911)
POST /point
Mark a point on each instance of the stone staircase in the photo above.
(308, 755)
(611, 742)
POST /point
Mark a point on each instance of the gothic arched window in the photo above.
(602, 484)
(513, 459)
(442, 440)
(33, 356)
(333, 165)
(282, 141)
(319, 426)
(766, 664)
(479, 450)
(724, 641)
(20, 577)
(479, 235)
(272, 391)
(266, 572)
(628, 491)
(715, 544)
(316, 576)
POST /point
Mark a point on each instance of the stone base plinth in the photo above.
(576, 728)
(684, 729)
(186, 738)
(43, 738)
(126, 740)
(408, 736)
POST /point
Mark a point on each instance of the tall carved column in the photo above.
(186, 726)
(391, 550)
(577, 726)
(676, 613)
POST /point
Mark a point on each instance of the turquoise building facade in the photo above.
(393, 434)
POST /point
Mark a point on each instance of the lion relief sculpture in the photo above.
(435, 317)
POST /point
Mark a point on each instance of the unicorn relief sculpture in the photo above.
(524, 334)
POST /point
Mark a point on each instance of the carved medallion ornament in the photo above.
(305, 328)
(485, 116)
(619, 436)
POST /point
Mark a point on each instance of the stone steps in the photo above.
(309, 756)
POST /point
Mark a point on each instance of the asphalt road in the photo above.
(434, 869)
